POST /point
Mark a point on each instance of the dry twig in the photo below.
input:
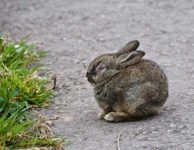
(118, 142)
(54, 78)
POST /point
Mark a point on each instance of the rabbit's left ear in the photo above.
(129, 59)
(130, 46)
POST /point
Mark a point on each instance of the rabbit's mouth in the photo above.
(90, 77)
(91, 80)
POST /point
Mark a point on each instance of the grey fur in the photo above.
(126, 86)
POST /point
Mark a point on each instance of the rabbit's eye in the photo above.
(100, 67)
(92, 69)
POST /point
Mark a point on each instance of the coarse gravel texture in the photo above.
(76, 31)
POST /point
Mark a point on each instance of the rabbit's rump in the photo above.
(140, 100)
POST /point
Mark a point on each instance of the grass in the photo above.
(20, 90)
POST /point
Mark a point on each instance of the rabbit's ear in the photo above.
(129, 58)
(130, 46)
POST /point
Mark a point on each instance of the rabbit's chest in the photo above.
(105, 95)
(109, 99)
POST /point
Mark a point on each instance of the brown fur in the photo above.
(126, 86)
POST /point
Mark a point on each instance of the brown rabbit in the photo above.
(126, 86)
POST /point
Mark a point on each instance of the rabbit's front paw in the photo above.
(110, 116)
(116, 116)
(101, 115)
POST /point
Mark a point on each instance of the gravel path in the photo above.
(76, 31)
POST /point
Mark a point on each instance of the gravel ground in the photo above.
(76, 31)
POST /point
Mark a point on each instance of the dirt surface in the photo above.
(76, 31)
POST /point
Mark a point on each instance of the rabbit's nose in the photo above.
(88, 74)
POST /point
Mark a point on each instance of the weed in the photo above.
(21, 89)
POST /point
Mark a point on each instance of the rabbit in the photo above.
(126, 86)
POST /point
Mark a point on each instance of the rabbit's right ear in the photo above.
(130, 46)
(129, 59)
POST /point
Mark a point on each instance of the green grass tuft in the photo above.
(21, 89)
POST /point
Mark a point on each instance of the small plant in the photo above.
(18, 132)
(21, 89)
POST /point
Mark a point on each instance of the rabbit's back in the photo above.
(144, 71)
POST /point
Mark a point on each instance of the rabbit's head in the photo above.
(106, 66)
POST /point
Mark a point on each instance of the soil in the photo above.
(76, 31)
